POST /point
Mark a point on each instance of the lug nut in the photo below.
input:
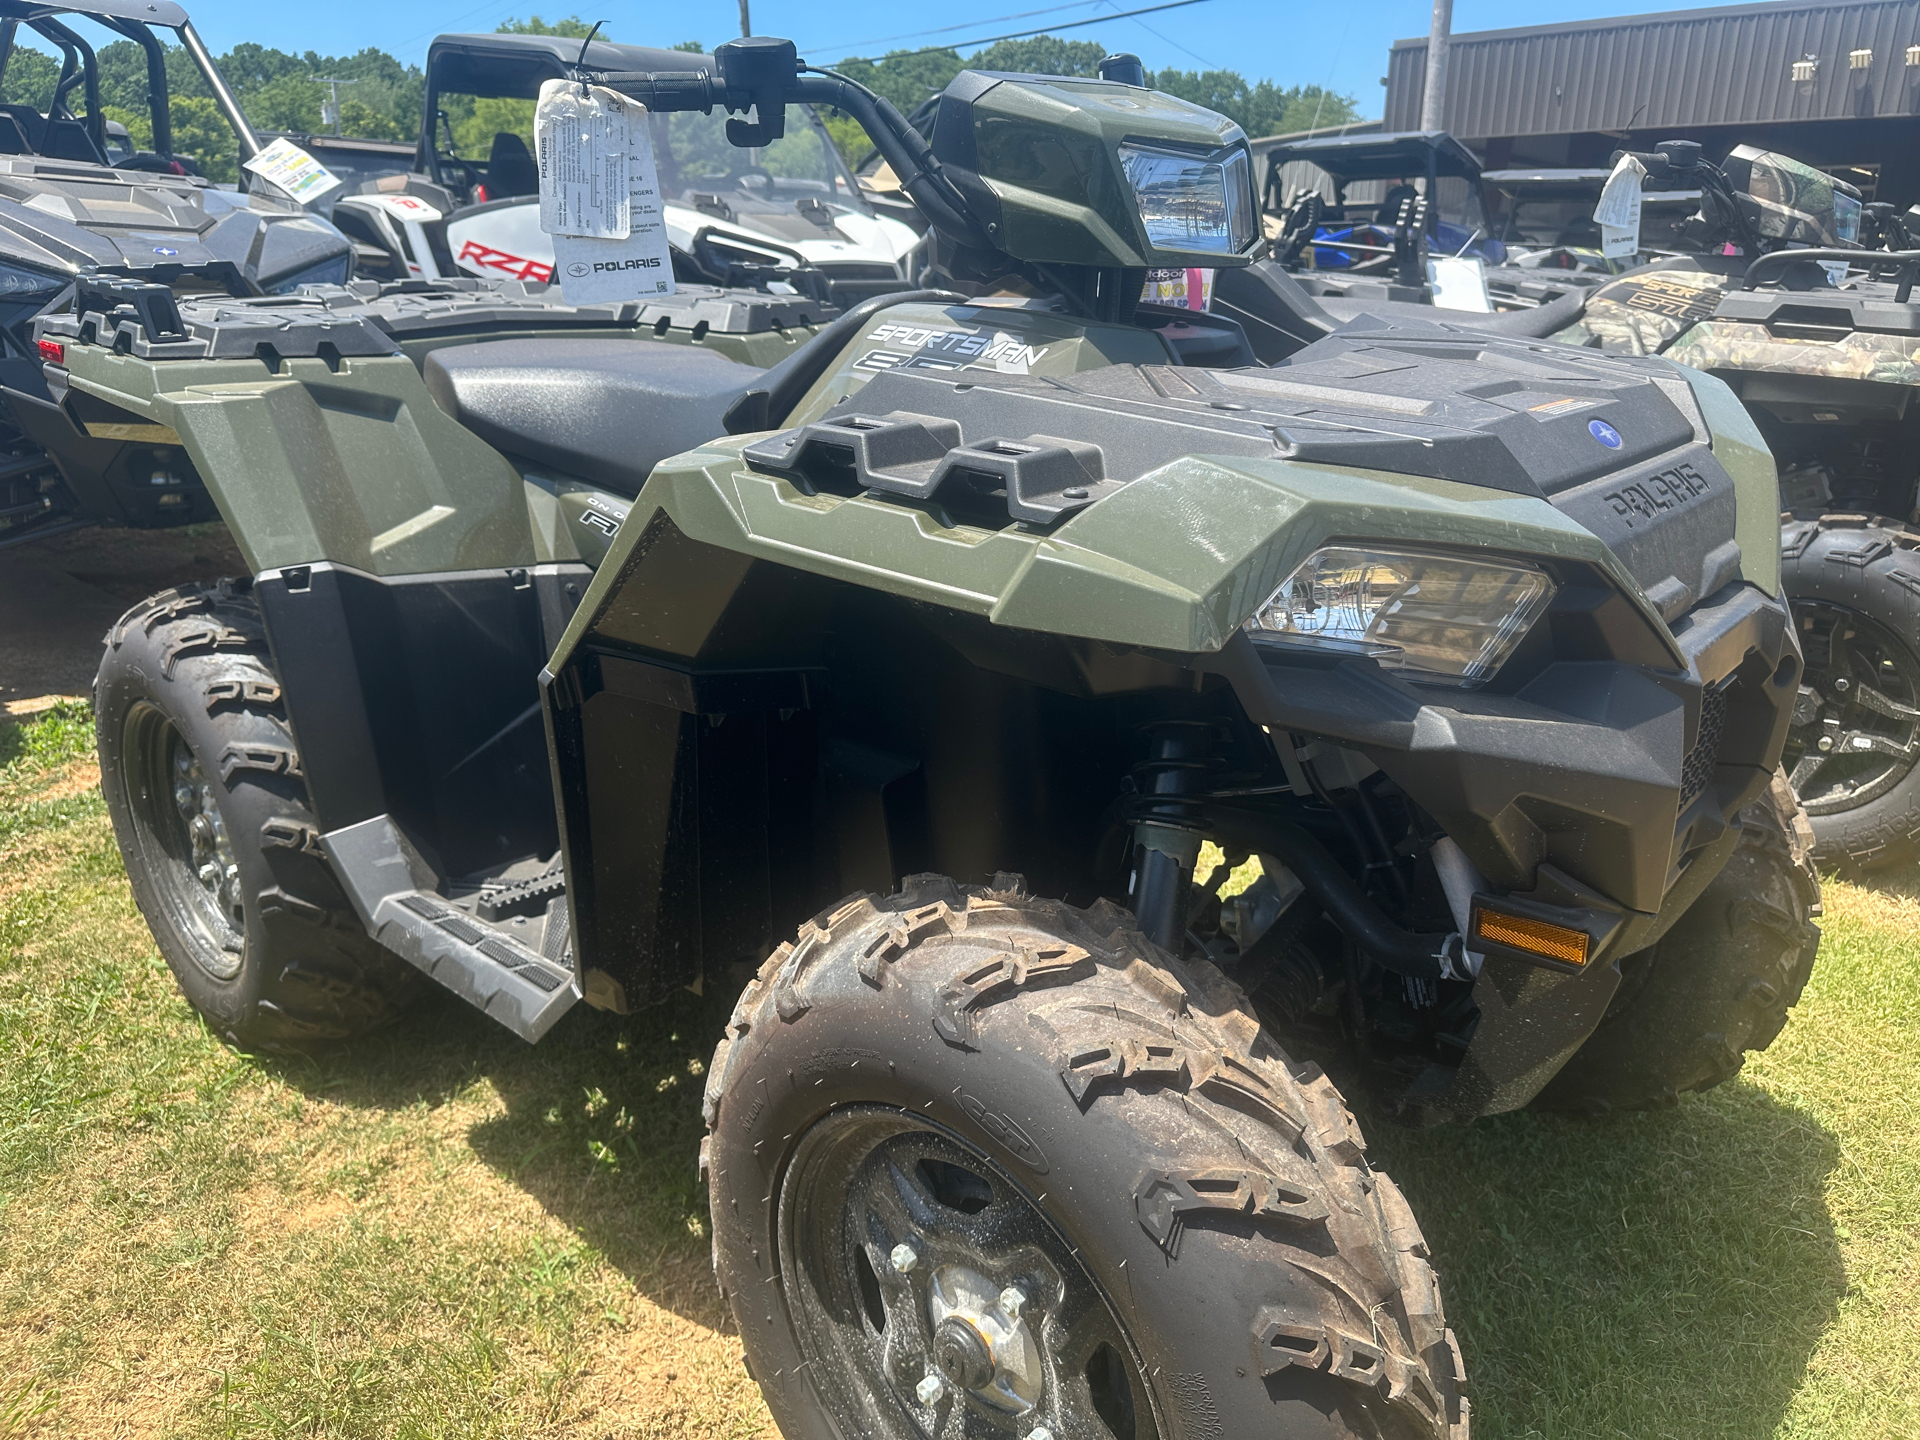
(904, 1257)
(1842, 684)
(1826, 742)
(929, 1390)
(1012, 1301)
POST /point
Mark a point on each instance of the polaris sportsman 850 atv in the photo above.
(959, 630)
(70, 211)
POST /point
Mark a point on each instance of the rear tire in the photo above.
(1033, 1096)
(1854, 582)
(203, 784)
(1718, 984)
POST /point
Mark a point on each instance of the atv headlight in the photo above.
(1192, 202)
(1438, 614)
(19, 284)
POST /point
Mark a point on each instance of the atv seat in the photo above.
(604, 410)
(510, 168)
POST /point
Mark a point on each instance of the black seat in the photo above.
(605, 410)
(510, 167)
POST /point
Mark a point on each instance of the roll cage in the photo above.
(60, 134)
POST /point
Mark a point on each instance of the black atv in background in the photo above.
(77, 212)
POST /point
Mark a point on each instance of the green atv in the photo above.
(576, 669)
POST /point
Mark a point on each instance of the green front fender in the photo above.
(1177, 560)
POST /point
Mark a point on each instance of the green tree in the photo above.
(30, 78)
(1041, 55)
(1259, 109)
(573, 27)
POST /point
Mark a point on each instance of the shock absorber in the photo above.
(1166, 831)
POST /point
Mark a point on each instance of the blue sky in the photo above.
(1334, 42)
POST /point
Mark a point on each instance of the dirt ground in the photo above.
(59, 595)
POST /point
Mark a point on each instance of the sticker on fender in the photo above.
(595, 270)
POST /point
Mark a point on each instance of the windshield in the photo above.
(799, 175)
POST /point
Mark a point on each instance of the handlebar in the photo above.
(1906, 262)
(763, 74)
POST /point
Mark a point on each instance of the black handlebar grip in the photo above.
(664, 89)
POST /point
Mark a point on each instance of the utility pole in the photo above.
(330, 107)
(746, 21)
(1438, 40)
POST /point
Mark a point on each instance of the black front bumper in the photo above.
(1623, 777)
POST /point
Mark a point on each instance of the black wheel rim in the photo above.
(181, 840)
(933, 1298)
(1856, 724)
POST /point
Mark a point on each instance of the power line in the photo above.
(949, 29)
(1043, 30)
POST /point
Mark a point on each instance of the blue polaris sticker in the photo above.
(165, 250)
(1605, 434)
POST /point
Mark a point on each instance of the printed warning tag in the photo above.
(581, 136)
(597, 271)
(286, 165)
(1618, 212)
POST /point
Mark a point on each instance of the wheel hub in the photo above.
(982, 1342)
(1856, 723)
(213, 861)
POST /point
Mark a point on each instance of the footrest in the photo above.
(395, 893)
(516, 986)
(522, 897)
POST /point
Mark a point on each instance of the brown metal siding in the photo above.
(1720, 67)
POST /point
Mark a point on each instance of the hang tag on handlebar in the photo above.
(582, 138)
(593, 271)
(1618, 211)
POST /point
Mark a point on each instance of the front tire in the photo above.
(203, 784)
(1718, 984)
(1854, 750)
(982, 1164)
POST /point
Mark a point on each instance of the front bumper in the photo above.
(1623, 778)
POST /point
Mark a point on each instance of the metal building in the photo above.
(1835, 83)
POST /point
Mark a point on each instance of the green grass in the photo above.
(440, 1231)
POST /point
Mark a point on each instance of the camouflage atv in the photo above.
(949, 638)
(1820, 339)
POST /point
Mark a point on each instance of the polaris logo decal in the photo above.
(967, 347)
(1605, 434)
(1652, 497)
(580, 268)
(165, 250)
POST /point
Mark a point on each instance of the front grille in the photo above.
(1696, 771)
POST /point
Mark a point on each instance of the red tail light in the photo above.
(53, 352)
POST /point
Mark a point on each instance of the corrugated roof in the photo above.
(1729, 66)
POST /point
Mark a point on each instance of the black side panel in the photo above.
(783, 741)
(418, 697)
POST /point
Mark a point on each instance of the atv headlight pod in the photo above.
(1193, 203)
(17, 283)
(1434, 613)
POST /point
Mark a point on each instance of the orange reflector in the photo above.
(1558, 943)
